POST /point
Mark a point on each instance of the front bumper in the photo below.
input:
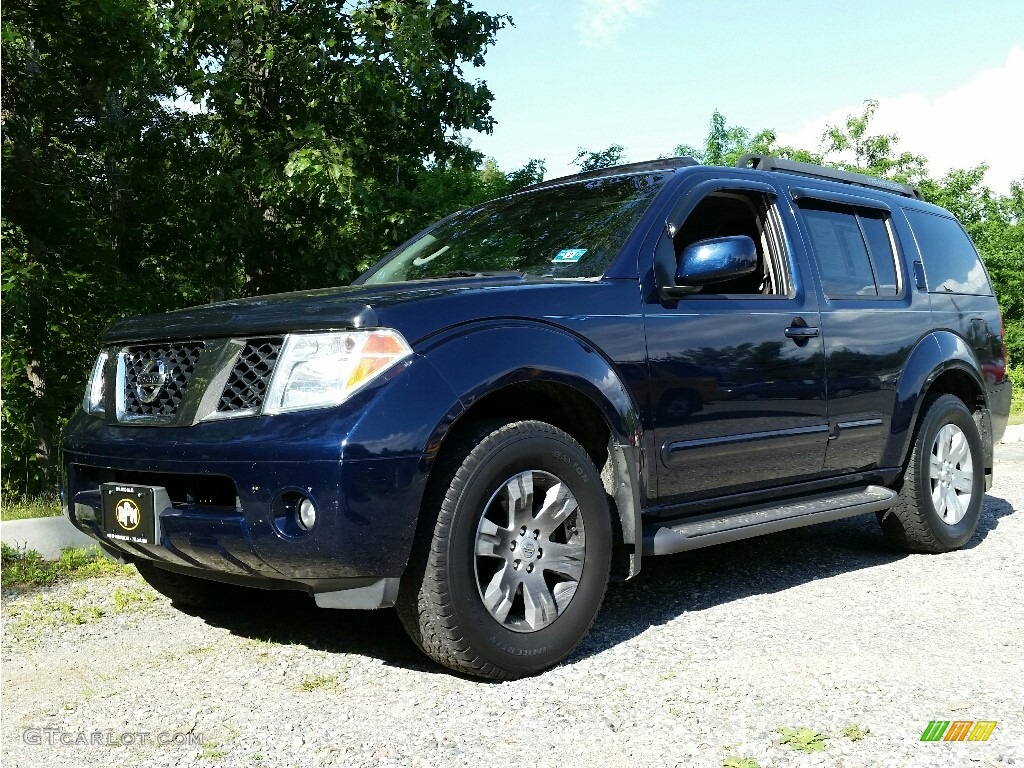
(221, 517)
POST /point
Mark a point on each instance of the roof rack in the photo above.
(766, 163)
(662, 164)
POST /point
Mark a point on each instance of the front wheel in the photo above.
(509, 579)
(941, 493)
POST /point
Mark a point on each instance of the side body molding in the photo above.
(483, 358)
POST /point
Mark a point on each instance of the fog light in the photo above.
(305, 515)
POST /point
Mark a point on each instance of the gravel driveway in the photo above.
(698, 660)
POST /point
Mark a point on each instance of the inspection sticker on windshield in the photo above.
(569, 255)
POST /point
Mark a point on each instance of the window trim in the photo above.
(852, 203)
(764, 200)
(839, 198)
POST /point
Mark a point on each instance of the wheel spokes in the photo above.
(500, 592)
(558, 504)
(491, 541)
(564, 559)
(959, 450)
(540, 607)
(951, 474)
(519, 492)
(542, 555)
(939, 499)
(963, 480)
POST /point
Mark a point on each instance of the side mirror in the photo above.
(712, 261)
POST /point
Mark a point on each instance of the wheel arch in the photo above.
(942, 362)
(543, 373)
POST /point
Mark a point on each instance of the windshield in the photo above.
(570, 231)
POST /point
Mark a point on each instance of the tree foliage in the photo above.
(320, 120)
(875, 155)
(310, 133)
(587, 160)
(725, 144)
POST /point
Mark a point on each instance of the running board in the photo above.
(666, 538)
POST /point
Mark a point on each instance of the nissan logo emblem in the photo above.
(150, 383)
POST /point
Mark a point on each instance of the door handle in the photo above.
(801, 332)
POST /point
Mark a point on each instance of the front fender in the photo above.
(935, 353)
(480, 359)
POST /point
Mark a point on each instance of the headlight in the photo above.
(316, 370)
(92, 402)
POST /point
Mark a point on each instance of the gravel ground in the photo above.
(698, 660)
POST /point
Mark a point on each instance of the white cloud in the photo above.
(600, 21)
(979, 122)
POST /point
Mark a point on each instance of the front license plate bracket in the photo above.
(131, 512)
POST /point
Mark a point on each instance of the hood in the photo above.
(323, 309)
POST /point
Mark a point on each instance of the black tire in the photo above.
(441, 600)
(189, 591)
(915, 524)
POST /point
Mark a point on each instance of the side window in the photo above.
(854, 249)
(951, 265)
(736, 212)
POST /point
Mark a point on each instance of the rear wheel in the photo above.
(510, 577)
(941, 493)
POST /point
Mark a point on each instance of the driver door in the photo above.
(737, 370)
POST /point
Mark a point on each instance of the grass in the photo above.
(27, 568)
(316, 682)
(212, 751)
(1017, 400)
(13, 507)
(802, 739)
(855, 732)
(126, 600)
(740, 762)
(32, 618)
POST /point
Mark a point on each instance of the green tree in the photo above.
(322, 116)
(725, 144)
(306, 155)
(872, 154)
(91, 202)
(587, 160)
(446, 187)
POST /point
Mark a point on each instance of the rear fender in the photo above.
(935, 354)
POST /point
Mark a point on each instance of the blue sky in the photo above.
(648, 73)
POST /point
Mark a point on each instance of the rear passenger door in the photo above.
(866, 319)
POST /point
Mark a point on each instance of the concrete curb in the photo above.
(46, 535)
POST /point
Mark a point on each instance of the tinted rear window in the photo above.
(853, 248)
(951, 265)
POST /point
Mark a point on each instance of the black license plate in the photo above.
(128, 512)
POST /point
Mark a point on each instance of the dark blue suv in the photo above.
(531, 396)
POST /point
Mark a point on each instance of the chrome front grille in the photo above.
(250, 376)
(183, 383)
(175, 362)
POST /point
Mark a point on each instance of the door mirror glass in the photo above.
(716, 259)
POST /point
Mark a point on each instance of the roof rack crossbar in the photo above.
(767, 163)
